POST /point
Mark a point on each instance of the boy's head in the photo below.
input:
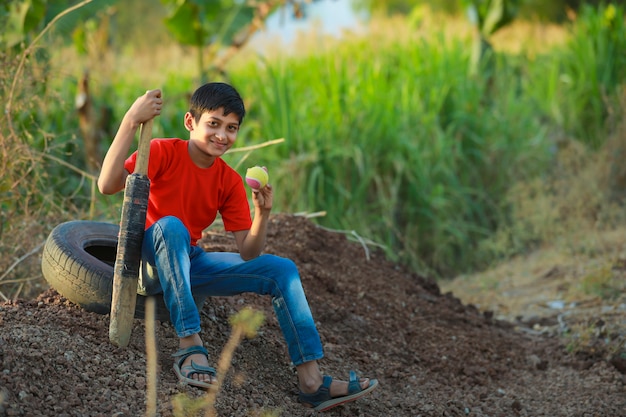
(212, 96)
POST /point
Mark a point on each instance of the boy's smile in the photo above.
(211, 136)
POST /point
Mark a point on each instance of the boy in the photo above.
(189, 184)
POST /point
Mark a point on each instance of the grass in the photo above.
(398, 145)
(604, 282)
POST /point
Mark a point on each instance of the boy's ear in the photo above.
(189, 121)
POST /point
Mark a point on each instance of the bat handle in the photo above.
(143, 149)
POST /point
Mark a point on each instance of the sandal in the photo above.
(185, 372)
(322, 401)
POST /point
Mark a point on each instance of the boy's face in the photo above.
(214, 133)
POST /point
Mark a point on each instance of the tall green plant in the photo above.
(488, 16)
(397, 144)
(575, 84)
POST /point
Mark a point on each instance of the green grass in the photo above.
(400, 145)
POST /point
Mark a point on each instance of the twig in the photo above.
(310, 215)
(16, 263)
(222, 368)
(19, 280)
(364, 242)
(70, 166)
(85, 174)
(253, 147)
(245, 323)
(19, 290)
(249, 149)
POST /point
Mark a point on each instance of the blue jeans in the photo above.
(171, 265)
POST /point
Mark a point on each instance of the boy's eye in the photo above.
(234, 128)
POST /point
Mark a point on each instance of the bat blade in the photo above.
(128, 258)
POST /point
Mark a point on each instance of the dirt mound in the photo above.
(432, 355)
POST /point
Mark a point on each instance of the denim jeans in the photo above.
(171, 265)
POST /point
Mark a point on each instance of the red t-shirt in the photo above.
(178, 187)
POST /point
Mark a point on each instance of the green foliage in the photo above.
(546, 11)
(22, 19)
(388, 7)
(491, 15)
(202, 23)
(19, 18)
(603, 283)
(574, 84)
(247, 321)
(397, 145)
(488, 16)
(403, 147)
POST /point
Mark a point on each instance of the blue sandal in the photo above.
(322, 401)
(184, 373)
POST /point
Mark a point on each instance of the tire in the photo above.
(78, 262)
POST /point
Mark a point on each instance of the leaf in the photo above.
(185, 26)
(493, 18)
(234, 20)
(34, 15)
(23, 17)
(46, 10)
(248, 320)
(199, 23)
(490, 15)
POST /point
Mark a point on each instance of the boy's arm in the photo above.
(113, 174)
(251, 242)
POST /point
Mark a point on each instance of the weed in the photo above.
(604, 283)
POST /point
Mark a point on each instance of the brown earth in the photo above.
(433, 355)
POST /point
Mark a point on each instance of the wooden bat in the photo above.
(128, 258)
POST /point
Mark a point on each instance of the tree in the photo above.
(206, 24)
(214, 25)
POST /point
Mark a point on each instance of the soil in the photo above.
(432, 354)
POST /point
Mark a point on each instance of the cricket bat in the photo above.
(128, 257)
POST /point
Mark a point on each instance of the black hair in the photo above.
(212, 96)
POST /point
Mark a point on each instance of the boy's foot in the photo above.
(192, 367)
(332, 393)
(202, 360)
(339, 388)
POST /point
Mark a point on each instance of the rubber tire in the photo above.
(78, 261)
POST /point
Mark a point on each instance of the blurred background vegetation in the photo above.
(454, 134)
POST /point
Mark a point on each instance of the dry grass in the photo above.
(575, 220)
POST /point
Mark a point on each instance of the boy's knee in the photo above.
(172, 227)
(169, 222)
(290, 265)
(285, 265)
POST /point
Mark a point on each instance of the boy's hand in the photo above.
(263, 198)
(145, 107)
